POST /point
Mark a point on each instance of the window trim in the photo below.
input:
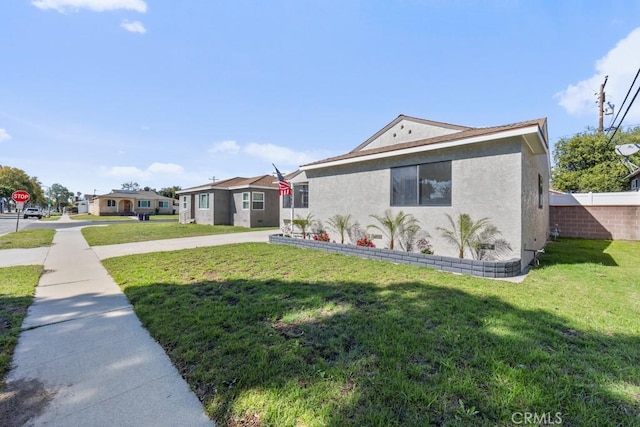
(184, 202)
(200, 199)
(246, 200)
(111, 203)
(254, 201)
(161, 202)
(140, 202)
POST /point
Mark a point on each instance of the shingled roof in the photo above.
(237, 182)
(464, 133)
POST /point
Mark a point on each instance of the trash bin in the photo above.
(140, 217)
(146, 217)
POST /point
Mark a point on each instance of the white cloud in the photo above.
(4, 135)
(132, 172)
(63, 6)
(133, 26)
(225, 147)
(277, 154)
(165, 168)
(620, 64)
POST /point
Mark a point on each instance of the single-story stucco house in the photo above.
(130, 202)
(430, 169)
(244, 202)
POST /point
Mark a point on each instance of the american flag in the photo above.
(283, 186)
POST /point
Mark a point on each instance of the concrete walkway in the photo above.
(84, 345)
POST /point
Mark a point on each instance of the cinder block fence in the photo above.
(609, 216)
(492, 269)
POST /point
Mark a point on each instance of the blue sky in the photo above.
(95, 93)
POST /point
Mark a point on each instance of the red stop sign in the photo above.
(20, 196)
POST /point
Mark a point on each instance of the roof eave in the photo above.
(533, 129)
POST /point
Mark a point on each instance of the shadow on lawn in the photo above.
(406, 354)
(577, 251)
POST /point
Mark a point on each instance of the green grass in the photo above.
(27, 239)
(17, 286)
(279, 336)
(148, 230)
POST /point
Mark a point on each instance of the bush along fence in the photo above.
(493, 269)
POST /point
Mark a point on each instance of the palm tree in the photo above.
(340, 224)
(394, 226)
(303, 223)
(464, 234)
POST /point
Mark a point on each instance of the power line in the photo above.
(625, 99)
(624, 115)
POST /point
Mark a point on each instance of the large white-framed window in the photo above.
(300, 199)
(163, 204)
(144, 203)
(257, 201)
(203, 201)
(111, 203)
(427, 184)
(246, 201)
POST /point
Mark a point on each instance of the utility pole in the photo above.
(601, 105)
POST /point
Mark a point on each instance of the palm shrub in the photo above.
(490, 235)
(340, 224)
(394, 226)
(466, 233)
(303, 223)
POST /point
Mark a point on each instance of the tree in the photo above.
(340, 224)
(170, 191)
(132, 186)
(393, 226)
(60, 194)
(464, 233)
(12, 179)
(587, 162)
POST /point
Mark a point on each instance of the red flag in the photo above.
(283, 186)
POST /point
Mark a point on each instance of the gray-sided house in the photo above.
(244, 202)
(130, 202)
(430, 169)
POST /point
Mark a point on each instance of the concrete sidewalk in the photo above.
(85, 347)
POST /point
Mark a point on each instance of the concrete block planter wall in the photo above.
(492, 269)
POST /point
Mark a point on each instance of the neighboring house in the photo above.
(130, 202)
(634, 180)
(430, 169)
(244, 202)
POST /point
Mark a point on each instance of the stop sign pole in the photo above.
(20, 197)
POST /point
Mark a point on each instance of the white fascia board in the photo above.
(195, 189)
(430, 147)
(251, 187)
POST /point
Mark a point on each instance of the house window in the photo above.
(540, 192)
(144, 203)
(163, 204)
(184, 202)
(427, 184)
(111, 203)
(203, 200)
(257, 202)
(246, 200)
(634, 184)
(301, 197)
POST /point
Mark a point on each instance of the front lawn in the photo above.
(276, 335)
(147, 230)
(17, 287)
(27, 238)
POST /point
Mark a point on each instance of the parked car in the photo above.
(29, 212)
